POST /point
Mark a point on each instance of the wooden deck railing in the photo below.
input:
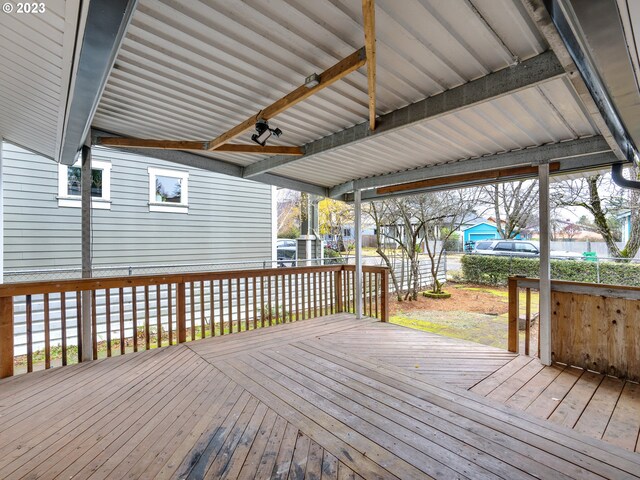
(42, 322)
(593, 326)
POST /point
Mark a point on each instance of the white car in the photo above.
(519, 248)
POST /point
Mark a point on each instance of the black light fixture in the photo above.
(263, 132)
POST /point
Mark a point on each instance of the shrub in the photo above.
(495, 270)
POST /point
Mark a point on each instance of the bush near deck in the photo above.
(495, 270)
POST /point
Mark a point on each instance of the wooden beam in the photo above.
(466, 177)
(121, 142)
(369, 16)
(150, 143)
(341, 69)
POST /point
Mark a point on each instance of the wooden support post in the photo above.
(514, 313)
(85, 335)
(357, 206)
(369, 16)
(384, 292)
(6, 337)
(338, 291)
(544, 316)
(182, 312)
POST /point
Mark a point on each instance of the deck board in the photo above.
(328, 398)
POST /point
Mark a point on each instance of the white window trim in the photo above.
(166, 207)
(75, 201)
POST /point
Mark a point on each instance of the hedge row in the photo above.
(495, 270)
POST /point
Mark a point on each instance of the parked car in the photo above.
(520, 248)
(287, 252)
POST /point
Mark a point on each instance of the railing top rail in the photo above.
(367, 268)
(59, 286)
(619, 291)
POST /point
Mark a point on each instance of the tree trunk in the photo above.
(600, 218)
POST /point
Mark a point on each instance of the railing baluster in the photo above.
(246, 303)
(255, 303)
(221, 306)
(376, 292)
(29, 335)
(47, 333)
(121, 305)
(203, 332)
(297, 298)
(269, 299)
(192, 308)
(212, 306)
(230, 292)
(527, 333)
(181, 313)
(79, 324)
(170, 311)
(284, 298)
(262, 304)
(134, 317)
(290, 298)
(304, 296)
(147, 326)
(63, 326)
(277, 299)
(239, 305)
(158, 316)
(320, 287)
(315, 294)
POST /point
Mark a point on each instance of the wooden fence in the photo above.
(141, 312)
(596, 327)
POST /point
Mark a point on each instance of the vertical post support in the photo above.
(384, 291)
(357, 205)
(545, 266)
(181, 312)
(6, 337)
(513, 342)
(85, 335)
(337, 276)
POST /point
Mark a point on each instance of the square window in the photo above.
(70, 185)
(168, 190)
(74, 182)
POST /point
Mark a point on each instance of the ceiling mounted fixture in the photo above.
(312, 80)
(263, 132)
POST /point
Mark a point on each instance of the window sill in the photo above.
(75, 202)
(168, 207)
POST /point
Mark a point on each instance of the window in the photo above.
(504, 247)
(526, 248)
(168, 190)
(70, 185)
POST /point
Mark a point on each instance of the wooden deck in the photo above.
(325, 398)
(591, 403)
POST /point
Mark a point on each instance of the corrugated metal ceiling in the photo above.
(192, 70)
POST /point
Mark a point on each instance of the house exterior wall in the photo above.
(228, 219)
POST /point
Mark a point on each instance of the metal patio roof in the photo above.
(461, 86)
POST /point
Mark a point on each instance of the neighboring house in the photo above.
(145, 211)
(480, 229)
(625, 225)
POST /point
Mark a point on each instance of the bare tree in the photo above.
(412, 221)
(603, 200)
(514, 205)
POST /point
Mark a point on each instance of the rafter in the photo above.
(341, 69)
(369, 16)
(196, 145)
(211, 164)
(495, 175)
(531, 72)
